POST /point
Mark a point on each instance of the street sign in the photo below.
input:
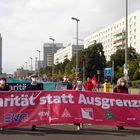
(107, 72)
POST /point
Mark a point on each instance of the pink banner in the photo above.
(26, 108)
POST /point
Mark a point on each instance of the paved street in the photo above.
(69, 132)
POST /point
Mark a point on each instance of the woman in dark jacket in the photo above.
(121, 88)
(3, 85)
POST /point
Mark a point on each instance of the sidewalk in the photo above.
(133, 91)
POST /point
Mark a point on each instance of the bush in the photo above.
(134, 84)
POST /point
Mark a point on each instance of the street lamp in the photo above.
(84, 60)
(38, 60)
(26, 67)
(77, 69)
(26, 64)
(126, 44)
(98, 73)
(31, 63)
(52, 57)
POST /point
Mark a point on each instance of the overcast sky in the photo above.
(26, 24)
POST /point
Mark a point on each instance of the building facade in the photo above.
(48, 51)
(21, 73)
(0, 54)
(112, 36)
(66, 52)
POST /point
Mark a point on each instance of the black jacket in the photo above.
(34, 87)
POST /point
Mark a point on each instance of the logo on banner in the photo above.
(109, 115)
(10, 117)
(87, 113)
(66, 114)
(44, 114)
(131, 119)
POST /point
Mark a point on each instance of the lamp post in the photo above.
(31, 63)
(26, 67)
(77, 69)
(22, 66)
(52, 57)
(84, 60)
(38, 60)
(126, 44)
(26, 64)
(36, 65)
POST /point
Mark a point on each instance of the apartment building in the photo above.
(112, 36)
(66, 52)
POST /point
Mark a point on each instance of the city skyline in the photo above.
(26, 25)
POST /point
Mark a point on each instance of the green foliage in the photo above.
(118, 57)
(93, 59)
(133, 63)
(134, 84)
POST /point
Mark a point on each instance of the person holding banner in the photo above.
(88, 84)
(66, 83)
(3, 85)
(106, 86)
(79, 86)
(34, 86)
(121, 88)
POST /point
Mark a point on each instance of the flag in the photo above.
(93, 80)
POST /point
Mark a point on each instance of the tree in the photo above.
(95, 59)
(119, 60)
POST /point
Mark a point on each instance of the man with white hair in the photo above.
(79, 86)
(34, 86)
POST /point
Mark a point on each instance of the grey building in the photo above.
(47, 52)
(39, 64)
(67, 52)
(0, 54)
(21, 73)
